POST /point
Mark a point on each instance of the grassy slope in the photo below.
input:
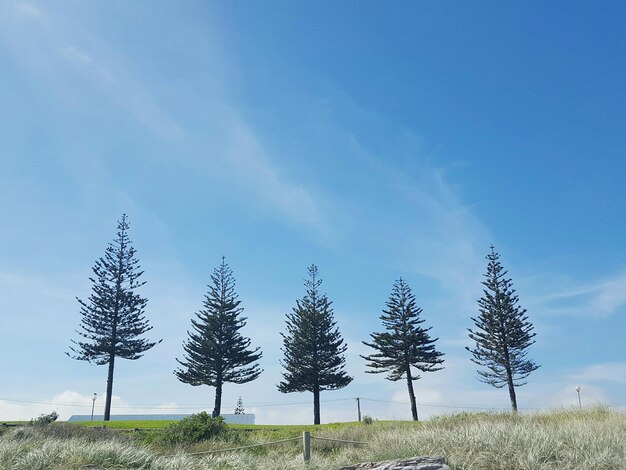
(267, 431)
(572, 440)
(137, 424)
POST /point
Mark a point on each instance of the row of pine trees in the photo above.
(216, 352)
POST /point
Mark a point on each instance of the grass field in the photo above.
(144, 424)
(277, 429)
(160, 424)
(573, 440)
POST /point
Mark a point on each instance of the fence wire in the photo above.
(215, 451)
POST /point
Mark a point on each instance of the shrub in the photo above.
(367, 419)
(42, 420)
(195, 428)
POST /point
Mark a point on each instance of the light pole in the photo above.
(93, 403)
(578, 391)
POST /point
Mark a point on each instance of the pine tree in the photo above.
(313, 348)
(113, 316)
(216, 352)
(503, 333)
(404, 344)
(239, 409)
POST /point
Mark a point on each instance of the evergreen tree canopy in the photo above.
(404, 343)
(216, 352)
(239, 409)
(113, 316)
(503, 333)
(313, 347)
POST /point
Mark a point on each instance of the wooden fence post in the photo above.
(306, 446)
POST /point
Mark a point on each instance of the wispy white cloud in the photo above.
(66, 51)
(127, 92)
(27, 10)
(562, 394)
(79, 58)
(70, 402)
(403, 205)
(602, 373)
(600, 298)
(22, 299)
(253, 167)
(63, 50)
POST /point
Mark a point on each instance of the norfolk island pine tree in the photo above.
(313, 347)
(503, 333)
(404, 343)
(216, 352)
(239, 409)
(113, 316)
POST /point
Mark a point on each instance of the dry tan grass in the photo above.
(573, 440)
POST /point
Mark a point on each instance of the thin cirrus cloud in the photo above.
(26, 10)
(50, 46)
(249, 161)
(234, 143)
(62, 61)
(608, 372)
(596, 299)
(235, 146)
(127, 93)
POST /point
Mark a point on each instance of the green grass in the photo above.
(563, 439)
(148, 430)
(136, 424)
(268, 431)
(160, 424)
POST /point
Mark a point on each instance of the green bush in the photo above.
(367, 419)
(195, 428)
(42, 420)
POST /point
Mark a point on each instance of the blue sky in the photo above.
(376, 140)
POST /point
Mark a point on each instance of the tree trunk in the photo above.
(316, 405)
(217, 410)
(107, 405)
(409, 384)
(118, 289)
(509, 379)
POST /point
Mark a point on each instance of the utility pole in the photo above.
(93, 403)
(358, 407)
(579, 402)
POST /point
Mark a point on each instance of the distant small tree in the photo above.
(216, 352)
(404, 343)
(239, 409)
(503, 333)
(113, 316)
(314, 350)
